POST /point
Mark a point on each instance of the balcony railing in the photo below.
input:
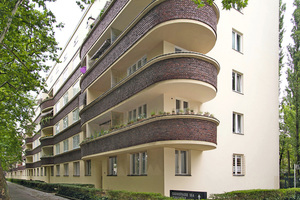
(199, 131)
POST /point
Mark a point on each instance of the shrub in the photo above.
(82, 193)
(124, 195)
(281, 194)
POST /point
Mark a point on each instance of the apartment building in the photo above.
(163, 96)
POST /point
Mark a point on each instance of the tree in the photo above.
(291, 102)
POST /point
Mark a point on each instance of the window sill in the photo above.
(183, 175)
(87, 175)
(238, 133)
(238, 175)
(111, 175)
(76, 175)
(238, 51)
(241, 93)
(137, 175)
(66, 175)
(57, 175)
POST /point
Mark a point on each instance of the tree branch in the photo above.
(10, 20)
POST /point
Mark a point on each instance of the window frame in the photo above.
(182, 165)
(75, 114)
(76, 168)
(237, 83)
(76, 141)
(238, 167)
(57, 150)
(237, 41)
(57, 170)
(66, 145)
(138, 165)
(66, 169)
(112, 166)
(65, 122)
(88, 167)
(237, 123)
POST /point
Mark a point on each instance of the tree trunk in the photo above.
(4, 195)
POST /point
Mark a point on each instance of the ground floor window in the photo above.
(238, 167)
(112, 166)
(138, 163)
(88, 167)
(57, 170)
(66, 169)
(76, 168)
(181, 162)
(52, 170)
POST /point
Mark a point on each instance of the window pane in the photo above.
(233, 40)
(145, 110)
(183, 162)
(144, 163)
(233, 81)
(233, 123)
(239, 123)
(176, 162)
(238, 82)
(238, 42)
(177, 106)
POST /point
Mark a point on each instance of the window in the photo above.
(66, 145)
(41, 171)
(66, 98)
(237, 122)
(75, 141)
(181, 106)
(88, 168)
(52, 170)
(138, 163)
(236, 41)
(65, 122)
(112, 166)
(75, 115)
(65, 75)
(57, 128)
(76, 168)
(38, 171)
(238, 164)
(57, 107)
(139, 113)
(237, 82)
(181, 162)
(141, 62)
(66, 169)
(45, 171)
(57, 149)
(76, 88)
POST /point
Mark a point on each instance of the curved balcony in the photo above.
(33, 151)
(47, 124)
(46, 141)
(28, 140)
(192, 28)
(47, 105)
(33, 165)
(47, 160)
(180, 73)
(177, 131)
(68, 156)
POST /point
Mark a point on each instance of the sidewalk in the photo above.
(19, 192)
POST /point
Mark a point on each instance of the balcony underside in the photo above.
(189, 74)
(191, 132)
(191, 27)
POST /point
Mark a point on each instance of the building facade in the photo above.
(163, 96)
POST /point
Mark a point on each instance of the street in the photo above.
(19, 192)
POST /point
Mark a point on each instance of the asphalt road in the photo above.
(19, 192)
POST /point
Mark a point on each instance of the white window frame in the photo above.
(237, 41)
(112, 166)
(57, 107)
(76, 141)
(138, 64)
(238, 165)
(88, 167)
(237, 123)
(137, 113)
(65, 122)
(76, 168)
(180, 104)
(138, 163)
(181, 162)
(66, 145)
(237, 82)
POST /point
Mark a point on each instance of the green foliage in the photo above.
(77, 192)
(227, 4)
(288, 194)
(116, 195)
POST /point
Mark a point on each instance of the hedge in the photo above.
(82, 193)
(281, 194)
(122, 195)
